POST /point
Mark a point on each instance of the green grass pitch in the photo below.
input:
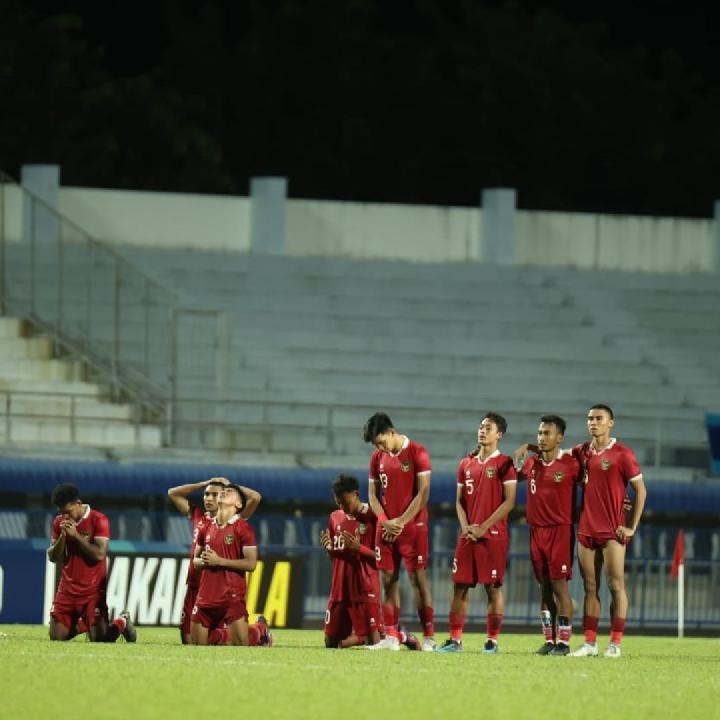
(298, 678)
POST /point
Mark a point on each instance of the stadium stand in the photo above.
(280, 360)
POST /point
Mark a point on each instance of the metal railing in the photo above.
(66, 418)
(96, 305)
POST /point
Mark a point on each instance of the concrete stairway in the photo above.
(46, 401)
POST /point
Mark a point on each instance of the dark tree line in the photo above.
(397, 100)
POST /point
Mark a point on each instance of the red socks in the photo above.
(391, 615)
(427, 623)
(457, 623)
(494, 623)
(617, 627)
(219, 636)
(590, 626)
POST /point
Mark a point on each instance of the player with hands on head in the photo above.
(199, 518)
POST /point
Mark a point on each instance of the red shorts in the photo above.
(188, 605)
(212, 617)
(412, 546)
(480, 562)
(592, 542)
(342, 618)
(551, 551)
(68, 610)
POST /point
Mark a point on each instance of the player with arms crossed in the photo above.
(552, 478)
(486, 488)
(353, 615)
(199, 518)
(602, 534)
(79, 540)
(398, 493)
(225, 552)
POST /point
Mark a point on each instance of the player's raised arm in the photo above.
(94, 550)
(179, 495)
(252, 499)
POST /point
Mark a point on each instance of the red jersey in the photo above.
(218, 585)
(551, 489)
(354, 577)
(482, 488)
(81, 577)
(606, 476)
(397, 476)
(199, 519)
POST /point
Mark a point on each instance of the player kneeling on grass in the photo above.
(225, 552)
(353, 612)
(79, 541)
(486, 488)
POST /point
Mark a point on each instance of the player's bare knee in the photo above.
(616, 584)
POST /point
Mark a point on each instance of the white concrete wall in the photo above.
(377, 231)
(614, 242)
(165, 220)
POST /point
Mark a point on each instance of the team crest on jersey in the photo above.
(362, 528)
(229, 539)
(85, 534)
(467, 473)
(558, 476)
(605, 464)
(405, 466)
(490, 472)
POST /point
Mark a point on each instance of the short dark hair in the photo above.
(64, 494)
(240, 492)
(376, 425)
(606, 408)
(498, 419)
(555, 420)
(213, 481)
(344, 484)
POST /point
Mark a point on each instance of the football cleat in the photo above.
(450, 646)
(586, 650)
(612, 651)
(266, 638)
(389, 642)
(546, 648)
(129, 633)
(429, 644)
(409, 641)
(560, 649)
(491, 648)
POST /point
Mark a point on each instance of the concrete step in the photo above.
(11, 327)
(35, 348)
(53, 370)
(91, 433)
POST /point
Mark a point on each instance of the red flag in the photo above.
(678, 558)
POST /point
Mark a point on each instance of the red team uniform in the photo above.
(83, 584)
(606, 477)
(199, 519)
(482, 493)
(551, 513)
(397, 476)
(354, 602)
(221, 593)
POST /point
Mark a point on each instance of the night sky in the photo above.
(580, 106)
